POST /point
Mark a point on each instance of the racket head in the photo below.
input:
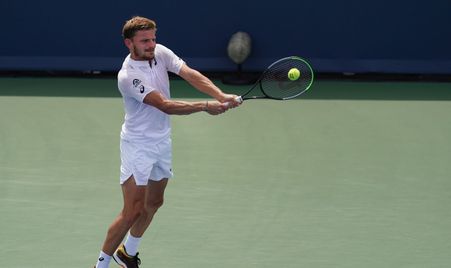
(275, 82)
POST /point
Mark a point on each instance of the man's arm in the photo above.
(157, 100)
(205, 85)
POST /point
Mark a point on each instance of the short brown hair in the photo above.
(135, 24)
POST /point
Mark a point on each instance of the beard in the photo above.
(143, 54)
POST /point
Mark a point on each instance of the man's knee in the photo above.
(153, 205)
(131, 214)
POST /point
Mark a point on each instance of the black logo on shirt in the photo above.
(137, 84)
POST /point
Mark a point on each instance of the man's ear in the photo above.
(128, 42)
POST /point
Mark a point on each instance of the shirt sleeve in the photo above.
(173, 62)
(133, 85)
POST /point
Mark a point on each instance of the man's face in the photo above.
(142, 45)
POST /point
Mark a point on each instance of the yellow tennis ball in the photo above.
(293, 74)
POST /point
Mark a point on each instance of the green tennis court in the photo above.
(354, 174)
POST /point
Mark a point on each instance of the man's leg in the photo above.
(127, 255)
(154, 200)
(134, 199)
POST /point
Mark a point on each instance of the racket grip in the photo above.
(238, 99)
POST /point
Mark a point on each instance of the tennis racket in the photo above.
(285, 79)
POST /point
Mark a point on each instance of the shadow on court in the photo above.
(321, 89)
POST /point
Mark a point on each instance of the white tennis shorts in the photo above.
(146, 162)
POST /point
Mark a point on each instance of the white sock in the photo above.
(103, 261)
(131, 244)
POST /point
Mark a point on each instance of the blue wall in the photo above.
(335, 36)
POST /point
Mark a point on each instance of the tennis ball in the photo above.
(293, 74)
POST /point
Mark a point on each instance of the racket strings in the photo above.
(275, 82)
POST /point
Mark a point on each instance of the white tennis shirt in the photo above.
(144, 123)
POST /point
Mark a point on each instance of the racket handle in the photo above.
(238, 99)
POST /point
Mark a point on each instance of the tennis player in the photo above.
(145, 145)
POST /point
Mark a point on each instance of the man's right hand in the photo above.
(215, 107)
